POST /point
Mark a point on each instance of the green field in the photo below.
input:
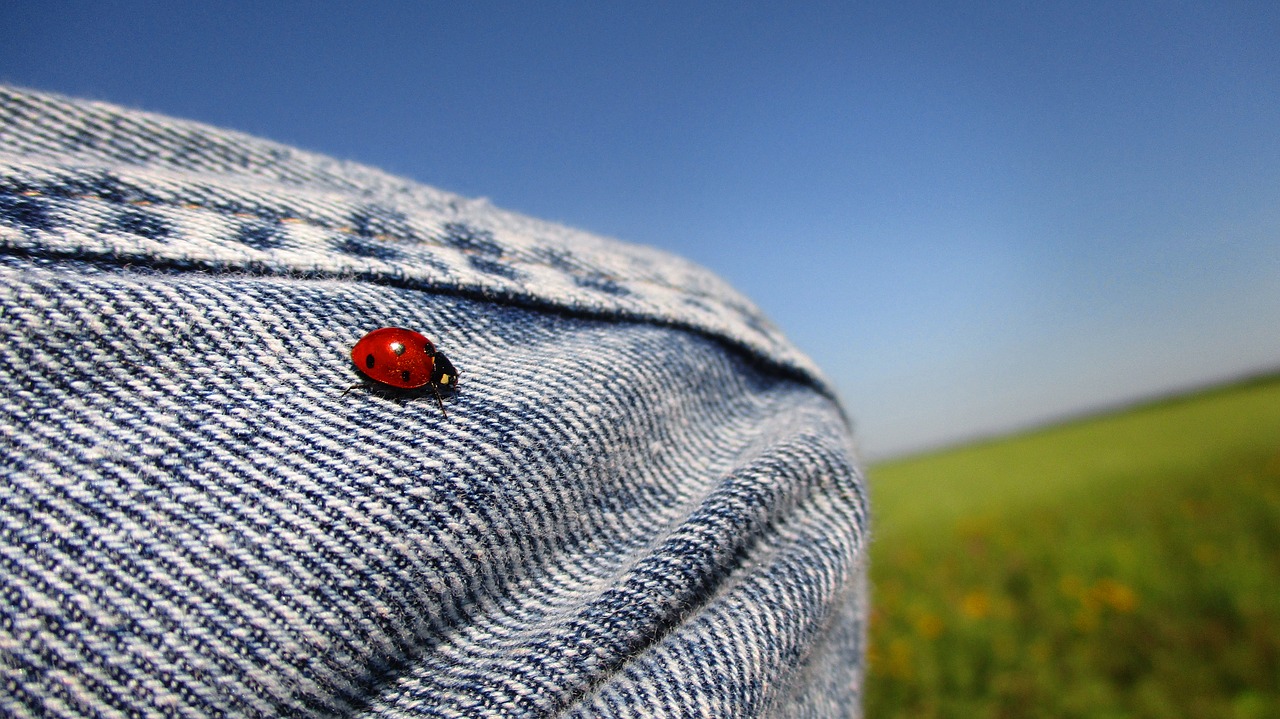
(1126, 565)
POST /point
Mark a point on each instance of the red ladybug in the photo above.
(405, 359)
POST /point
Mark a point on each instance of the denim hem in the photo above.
(94, 181)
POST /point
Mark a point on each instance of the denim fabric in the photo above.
(643, 501)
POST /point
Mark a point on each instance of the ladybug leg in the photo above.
(345, 391)
(439, 401)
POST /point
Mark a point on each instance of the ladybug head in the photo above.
(444, 374)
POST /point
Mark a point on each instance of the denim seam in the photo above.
(349, 230)
(150, 264)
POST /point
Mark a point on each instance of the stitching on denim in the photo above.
(425, 242)
(527, 300)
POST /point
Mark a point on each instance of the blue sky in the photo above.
(974, 218)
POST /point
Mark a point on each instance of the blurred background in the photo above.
(974, 216)
(978, 218)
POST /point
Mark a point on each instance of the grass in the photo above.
(1126, 565)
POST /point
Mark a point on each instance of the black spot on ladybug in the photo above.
(143, 224)
(368, 361)
(404, 375)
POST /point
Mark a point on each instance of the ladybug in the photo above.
(404, 359)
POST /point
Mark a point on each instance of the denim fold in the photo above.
(643, 500)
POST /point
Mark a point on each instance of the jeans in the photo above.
(642, 501)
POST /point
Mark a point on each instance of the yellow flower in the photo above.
(975, 604)
(1205, 553)
(1114, 594)
(929, 625)
(1086, 620)
(901, 659)
(1070, 585)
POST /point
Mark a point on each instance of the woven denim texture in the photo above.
(643, 501)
